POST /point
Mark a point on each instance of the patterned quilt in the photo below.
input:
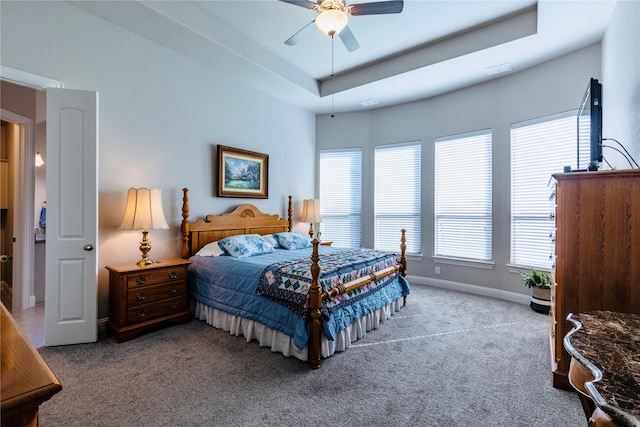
(289, 282)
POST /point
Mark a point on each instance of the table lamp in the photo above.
(144, 212)
(311, 213)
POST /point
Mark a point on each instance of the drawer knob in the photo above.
(173, 290)
(142, 313)
(141, 296)
(173, 305)
(173, 275)
(141, 279)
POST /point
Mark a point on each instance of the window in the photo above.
(463, 221)
(539, 148)
(397, 196)
(341, 197)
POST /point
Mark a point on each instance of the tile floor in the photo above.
(31, 322)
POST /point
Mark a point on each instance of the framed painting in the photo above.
(242, 173)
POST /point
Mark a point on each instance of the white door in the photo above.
(71, 303)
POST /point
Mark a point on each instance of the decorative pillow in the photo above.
(210, 249)
(293, 240)
(271, 240)
(245, 245)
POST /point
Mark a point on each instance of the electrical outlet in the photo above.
(437, 269)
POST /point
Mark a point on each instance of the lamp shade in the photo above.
(332, 21)
(143, 210)
(311, 211)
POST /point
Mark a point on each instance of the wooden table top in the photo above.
(26, 378)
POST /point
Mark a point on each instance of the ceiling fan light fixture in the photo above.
(331, 21)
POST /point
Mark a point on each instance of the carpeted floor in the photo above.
(447, 359)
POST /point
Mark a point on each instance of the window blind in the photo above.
(397, 196)
(341, 197)
(463, 216)
(539, 148)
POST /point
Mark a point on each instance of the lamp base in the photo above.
(145, 247)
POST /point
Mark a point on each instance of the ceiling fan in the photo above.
(333, 16)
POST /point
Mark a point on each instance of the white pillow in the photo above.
(210, 249)
(271, 240)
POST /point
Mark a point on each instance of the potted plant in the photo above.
(540, 284)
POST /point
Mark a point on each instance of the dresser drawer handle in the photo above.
(141, 296)
(141, 279)
(142, 313)
(173, 305)
(173, 275)
(173, 290)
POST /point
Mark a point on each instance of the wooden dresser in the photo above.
(142, 297)
(597, 252)
(27, 380)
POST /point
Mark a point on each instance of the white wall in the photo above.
(161, 116)
(621, 82)
(552, 87)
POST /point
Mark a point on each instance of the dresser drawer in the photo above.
(144, 312)
(147, 294)
(159, 275)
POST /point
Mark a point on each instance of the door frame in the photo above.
(24, 250)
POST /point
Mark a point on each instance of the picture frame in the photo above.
(242, 173)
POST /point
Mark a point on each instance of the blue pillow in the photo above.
(245, 245)
(293, 240)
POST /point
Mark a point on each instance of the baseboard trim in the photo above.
(471, 289)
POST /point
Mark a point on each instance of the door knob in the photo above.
(88, 247)
(5, 258)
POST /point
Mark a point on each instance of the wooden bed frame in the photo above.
(248, 219)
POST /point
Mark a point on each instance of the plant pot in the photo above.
(540, 300)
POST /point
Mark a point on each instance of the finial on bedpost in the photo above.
(315, 303)
(290, 212)
(184, 228)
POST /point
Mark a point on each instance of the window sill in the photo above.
(464, 262)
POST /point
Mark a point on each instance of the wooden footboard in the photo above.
(316, 297)
(247, 219)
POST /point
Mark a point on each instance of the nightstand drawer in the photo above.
(147, 294)
(142, 313)
(156, 276)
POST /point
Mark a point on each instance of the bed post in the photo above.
(403, 252)
(403, 259)
(184, 228)
(290, 212)
(315, 303)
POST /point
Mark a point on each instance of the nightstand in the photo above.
(328, 243)
(142, 297)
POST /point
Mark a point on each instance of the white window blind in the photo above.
(463, 219)
(397, 196)
(539, 148)
(341, 197)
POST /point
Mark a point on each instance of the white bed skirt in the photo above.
(282, 343)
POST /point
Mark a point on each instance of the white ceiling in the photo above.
(432, 47)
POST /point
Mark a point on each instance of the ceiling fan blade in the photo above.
(349, 39)
(302, 3)
(376, 8)
(300, 34)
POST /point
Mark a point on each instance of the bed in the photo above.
(302, 300)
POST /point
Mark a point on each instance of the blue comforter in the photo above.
(229, 284)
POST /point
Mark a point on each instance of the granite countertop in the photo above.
(608, 345)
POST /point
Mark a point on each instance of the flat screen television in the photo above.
(589, 121)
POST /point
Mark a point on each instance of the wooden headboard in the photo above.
(245, 219)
